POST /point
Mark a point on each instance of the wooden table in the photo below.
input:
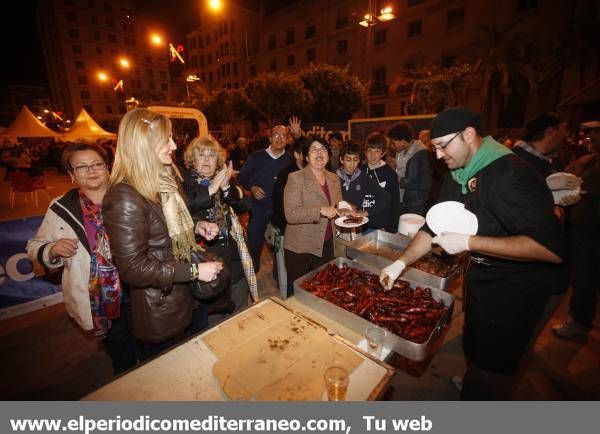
(186, 371)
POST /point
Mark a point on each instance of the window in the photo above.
(112, 38)
(456, 18)
(109, 109)
(200, 42)
(218, 74)
(202, 61)
(79, 64)
(341, 20)
(97, 35)
(151, 86)
(232, 26)
(311, 31)
(110, 23)
(225, 26)
(210, 76)
(342, 47)
(107, 7)
(273, 65)
(379, 76)
(235, 69)
(252, 71)
(71, 17)
(88, 108)
(106, 94)
(448, 61)
(94, 19)
(209, 59)
(410, 3)
(74, 33)
(290, 37)
(76, 49)
(162, 74)
(85, 94)
(204, 77)
(207, 39)
(82, 79)
(291, 60)
(311, 55)
(164, 87)
(99, 51)
(227, 69)
(377, 110)
(149, 72)
(415, 28)
(524, 5)
(272, 44)
(380, 37)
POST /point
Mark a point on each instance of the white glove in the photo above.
(389, 274)
(452, 242)
(566, 182)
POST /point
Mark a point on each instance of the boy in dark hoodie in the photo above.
(385, 176)
(360, 190)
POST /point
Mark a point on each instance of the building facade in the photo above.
(421, 33)
(91, 47)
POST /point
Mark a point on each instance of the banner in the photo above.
(20, 290)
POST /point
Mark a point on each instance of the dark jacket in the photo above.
(387, 179)
(142, 251)
(365, 194)
(416, 183)
(278, 219)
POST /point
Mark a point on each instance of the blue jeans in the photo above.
(259, 219)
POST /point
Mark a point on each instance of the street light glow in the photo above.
(124, 62)
(215, 5)
(156, 39)
(386, 14)
(192, 77)
(102, 76)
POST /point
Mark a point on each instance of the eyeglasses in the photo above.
(315, 150)
(445, 144)
(85, 168)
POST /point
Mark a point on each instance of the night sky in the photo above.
(24, 61)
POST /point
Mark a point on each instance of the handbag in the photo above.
(209, 290)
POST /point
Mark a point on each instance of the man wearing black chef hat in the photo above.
(518, 241)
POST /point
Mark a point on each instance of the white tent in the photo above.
(84, 128)
(27, 125)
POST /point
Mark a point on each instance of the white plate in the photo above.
(557, 195)
(451, 216)
(340, 222)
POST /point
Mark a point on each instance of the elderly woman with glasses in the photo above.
(310, 201)
(72, 237)
(213, 196)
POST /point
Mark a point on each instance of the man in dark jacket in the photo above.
(413, 167)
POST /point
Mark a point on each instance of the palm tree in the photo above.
(504, 59)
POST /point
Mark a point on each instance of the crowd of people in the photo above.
(135, 235)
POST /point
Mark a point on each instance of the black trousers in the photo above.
(585, 257)
(119, 342)
(298, 264)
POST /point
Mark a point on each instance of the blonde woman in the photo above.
(214, 196)
(152, 234)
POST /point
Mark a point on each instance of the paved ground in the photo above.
(45, 356)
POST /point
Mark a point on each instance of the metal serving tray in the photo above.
(355, 251)
(406, 348)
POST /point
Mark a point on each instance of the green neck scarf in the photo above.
(489, 152)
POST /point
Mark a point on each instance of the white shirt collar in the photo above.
(273, 156)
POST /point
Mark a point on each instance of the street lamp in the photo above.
(156, 39)
(124, 63)
(215, 5)
(189, 79)
(102, 76)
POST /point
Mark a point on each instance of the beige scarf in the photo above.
(179, 220)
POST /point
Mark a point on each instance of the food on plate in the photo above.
(352, 220)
